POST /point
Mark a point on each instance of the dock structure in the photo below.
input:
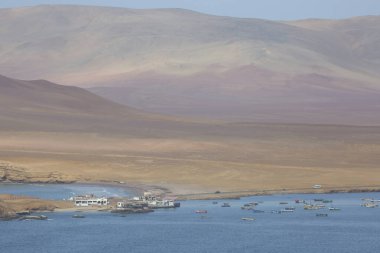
(90, 200)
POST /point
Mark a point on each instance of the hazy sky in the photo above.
(268, 9)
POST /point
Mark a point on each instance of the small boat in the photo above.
(311, 207)
(247, 208)
(299, 201)
(321, 215)
(276, 211)
(226, 205)
(334, 209)
(283, 203)
(318, 200)
(290, 208)
(215, 202)
(286, 211)
(32, 217)
(252, 204)
(370, 205)
(317, 186)
(327, 201)
(248, 219)
(201, 211)
(258, 211)
(78, 216)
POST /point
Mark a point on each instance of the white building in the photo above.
(90, 201)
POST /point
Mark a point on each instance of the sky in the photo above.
(266, 9)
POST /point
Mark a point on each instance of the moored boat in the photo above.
(34, 217)
(370, 205)
(226, 205)
(78, 216)
(248, 219)
(201, 211)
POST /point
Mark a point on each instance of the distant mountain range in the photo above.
(180, 62)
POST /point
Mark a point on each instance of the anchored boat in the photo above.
(78, 216)
(248, 219)
(34, 217)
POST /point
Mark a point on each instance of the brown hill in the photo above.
(40, 105)
(54, 133)
(187, 63)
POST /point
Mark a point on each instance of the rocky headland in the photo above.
(15, 174)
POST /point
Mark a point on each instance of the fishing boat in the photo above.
(311, 207)
(215, 202)
(78, 216)
(201, 211)
(32, 217)
(283, 203)
(252, 204)
(247, 208)
(321, 215)
(248, 219)
(327, 201)
(334, 209)
(226, 205)
(299, 201)
(258, 211)
(286, 211)
(370, 205)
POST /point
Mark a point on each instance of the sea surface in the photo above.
(353, 229)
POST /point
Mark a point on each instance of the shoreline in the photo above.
(139, 188)
(26, 203)
(243, 194)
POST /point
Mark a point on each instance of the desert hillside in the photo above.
(181, 62)
(54, 133)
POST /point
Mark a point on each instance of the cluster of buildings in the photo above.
(90, 200)
(148, 201)
(151, 200)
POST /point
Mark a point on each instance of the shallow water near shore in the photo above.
(353, 229)
(64, 191)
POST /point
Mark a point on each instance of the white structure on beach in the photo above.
(90, 201)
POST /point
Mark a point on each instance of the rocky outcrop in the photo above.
(6, 213)
(10, 173)
(15, 206)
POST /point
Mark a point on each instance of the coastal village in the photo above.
(84, 203)
(149, 201)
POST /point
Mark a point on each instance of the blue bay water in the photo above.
(353, 229)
